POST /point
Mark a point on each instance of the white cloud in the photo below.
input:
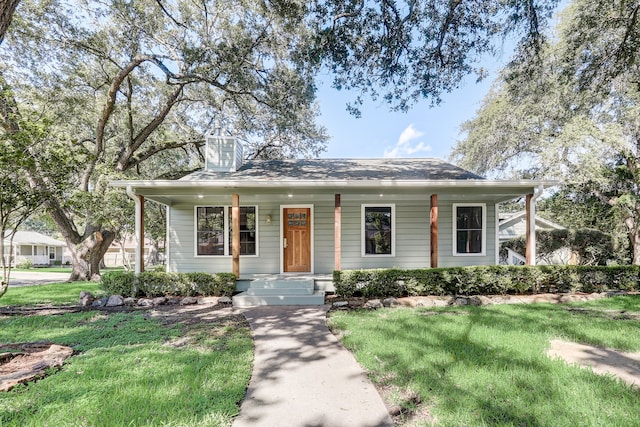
(404, 146)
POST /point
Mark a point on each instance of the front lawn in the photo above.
(66, 293)
(479, 366)
(130, 369)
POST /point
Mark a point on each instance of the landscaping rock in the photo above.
(460, 301)
(115, 301)
(208, 300)
(188, 301)
(159, 300)
(475, 300)
(145, 302)
(173, 300)
(100, 302)
(225, 301)
(391, 302)
(373, 304)
(339, 304)
(86, 299)
(28, 361)
(129, 301)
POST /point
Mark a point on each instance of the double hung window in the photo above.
(378, 230)
(469, 231)
(214, 230)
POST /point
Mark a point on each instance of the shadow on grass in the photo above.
(124, 374)
(488, 367)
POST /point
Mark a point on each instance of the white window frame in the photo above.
(454, 221)
(363, 229)
(227, 227)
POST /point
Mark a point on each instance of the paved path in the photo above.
(303, 376)
(35, 277)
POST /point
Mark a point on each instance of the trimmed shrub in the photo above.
(157, 283)
(118, 283)
(484, 280)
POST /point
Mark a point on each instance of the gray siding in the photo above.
(412, 235)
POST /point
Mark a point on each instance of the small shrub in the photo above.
(26, 264)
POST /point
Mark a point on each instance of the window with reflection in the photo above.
(378, 229)
(469, 229)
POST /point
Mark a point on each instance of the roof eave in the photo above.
(449, 183)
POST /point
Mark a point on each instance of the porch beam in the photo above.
(433, 221)
(139, 202)
(337, 235)
(530, 235)
(235, 235)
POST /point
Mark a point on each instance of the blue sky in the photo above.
(424, 131)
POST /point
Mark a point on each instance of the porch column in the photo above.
(139, 201)
(434, 230)
(235, 235)
(337, 235)
(530, 207)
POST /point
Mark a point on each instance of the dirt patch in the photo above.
(24, 362)
(603, 361)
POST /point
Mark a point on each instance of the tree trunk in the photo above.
(7, 9)
(87, 255)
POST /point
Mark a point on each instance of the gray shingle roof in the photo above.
(340, 169)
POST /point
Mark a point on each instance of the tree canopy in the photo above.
(571, 113)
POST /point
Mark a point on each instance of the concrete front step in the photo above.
(282, 283)
(245, 300)
(279, 291)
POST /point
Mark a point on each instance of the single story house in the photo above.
(32, 246)
(309, 217)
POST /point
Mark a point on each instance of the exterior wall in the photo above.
(412, 234)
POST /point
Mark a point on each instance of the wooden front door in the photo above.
(297, 240)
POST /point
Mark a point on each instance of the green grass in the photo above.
(486, 366)
(66, 293)
(125, 374)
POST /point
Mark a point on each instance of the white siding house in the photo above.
(31, 246)
(314, 216)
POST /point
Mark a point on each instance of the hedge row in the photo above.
(484, 280)
(154, 284)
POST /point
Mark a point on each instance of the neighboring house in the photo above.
(41, 250)
(316, 216)
(121, 253)
(512, 225)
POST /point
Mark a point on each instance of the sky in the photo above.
(424, 131)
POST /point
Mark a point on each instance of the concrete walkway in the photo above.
(303, 376)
